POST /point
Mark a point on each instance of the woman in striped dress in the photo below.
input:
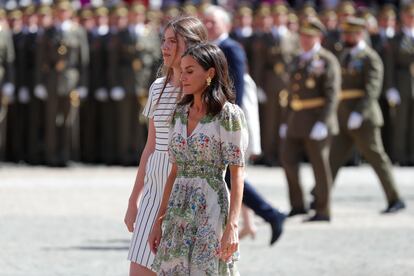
(154, 165)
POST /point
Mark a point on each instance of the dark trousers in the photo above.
(256, 202)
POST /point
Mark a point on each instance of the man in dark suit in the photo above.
(218, 24)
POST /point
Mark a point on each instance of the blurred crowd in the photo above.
(74, 81)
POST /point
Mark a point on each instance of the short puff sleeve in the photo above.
(233, 135)
(151, 102)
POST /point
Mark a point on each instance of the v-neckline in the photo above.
(197, 126)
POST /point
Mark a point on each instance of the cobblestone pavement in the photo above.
(70, 222)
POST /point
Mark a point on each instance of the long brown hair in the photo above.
(220, 89)
(192, 30)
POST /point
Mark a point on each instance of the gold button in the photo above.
(62, 50)
(295, 87)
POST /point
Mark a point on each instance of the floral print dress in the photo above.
(199, 202)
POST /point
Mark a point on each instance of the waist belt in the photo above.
(297, 104)
(350, 94)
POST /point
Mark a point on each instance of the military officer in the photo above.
(134, 53)
(310, 119)
(25, 93)
(64, 57)
(7, 96)
(381, 43)
(272, 52)
(332, 40)
(243, 28)
(99, 85)
(400, 90)
(17, 114)
(359, 114)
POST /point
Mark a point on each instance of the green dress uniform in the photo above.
(96, 141)
(381, 43)
(311, 101)
(359, 114)
(271, 56)
(64, 59)
(399, 60)
(17, 117)
(133, 53)
(7, 57)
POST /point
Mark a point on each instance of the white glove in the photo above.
(117, 93)
(101, 94)
(23, 95)
(283, 131)
(8, 89)
(355, 120)
(319, 131)
(83, 92)
(393, 97)
(40, 92)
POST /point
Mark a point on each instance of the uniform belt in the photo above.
(350, 94)
(297, 104)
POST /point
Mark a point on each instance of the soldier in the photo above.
(7, 96)
(37, 132)
(30, 31)
(132, 59)
(329, 19)
(64, 56)
(311, 120)
(359, 114)
(243, 28)
(272, 52)
(87, 111)
(332, 41)
(381, 42)
(99, 85)
(399, 88)
(18, 109)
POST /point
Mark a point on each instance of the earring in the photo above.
(208, 80)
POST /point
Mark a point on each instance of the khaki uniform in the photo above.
(362, 76)
(64, 57)
(313, 95)
(399, 60)
(96, 132)
(131, 63)
(7, 57)
(271, 57)
(381, 45)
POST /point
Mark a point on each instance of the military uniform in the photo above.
(64, 57)
(133, 53)
(17, 118)
(272, 53)
(400, 62)
(7, 96)
(381, 43)
(311, 106)
(359, 114)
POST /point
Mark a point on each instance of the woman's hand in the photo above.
(131, 216)
(155, 236)
(229, 242)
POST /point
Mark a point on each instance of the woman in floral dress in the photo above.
(196, 230)
(154, 167)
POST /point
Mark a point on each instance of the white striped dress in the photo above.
(156, 171)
